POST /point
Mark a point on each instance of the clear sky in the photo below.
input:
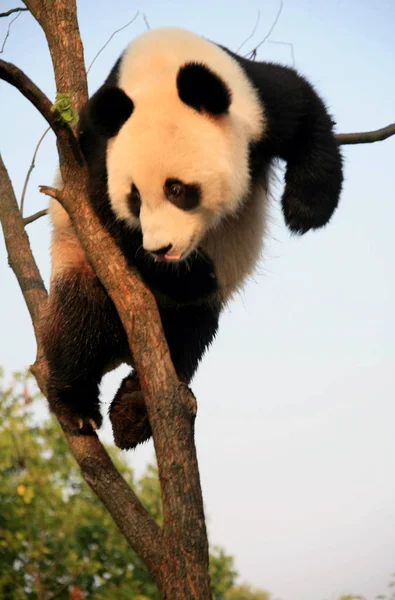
(296, 421)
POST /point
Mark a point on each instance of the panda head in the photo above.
(177, 149)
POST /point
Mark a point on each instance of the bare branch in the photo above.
(291, 46)
(366, 137)
(32, 165)
(7, 13)
(9, 26)
(145, 19)
(20, 256)
(258, 18)
(37, 215)
(252, 54)
(17, 78)
(109, 40)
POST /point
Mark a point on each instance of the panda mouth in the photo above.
(167, 257)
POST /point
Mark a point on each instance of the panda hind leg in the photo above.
(128, 414)
(189, 330)
(82, 335)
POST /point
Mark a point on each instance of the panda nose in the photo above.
(162, 251)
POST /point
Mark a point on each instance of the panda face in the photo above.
(178, 123)
(175, 178)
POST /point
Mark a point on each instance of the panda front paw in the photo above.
(76, 421)
(128, 415)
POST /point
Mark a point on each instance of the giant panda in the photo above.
(180, 142)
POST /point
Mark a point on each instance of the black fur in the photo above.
(83, 336)
(184, 195)
(202, 89)
(110, 108)
(134, 201)
(300, 131)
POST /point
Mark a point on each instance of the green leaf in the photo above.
(63, 105)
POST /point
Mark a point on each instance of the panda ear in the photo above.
(202, 89)
(108, 109)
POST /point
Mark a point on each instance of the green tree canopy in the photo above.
(56, 539)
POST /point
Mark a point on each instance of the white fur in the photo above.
(235, 246)
(164, 138)
(66, 250)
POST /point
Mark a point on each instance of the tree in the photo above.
(54, 536)
(246, 592)
(176, 552)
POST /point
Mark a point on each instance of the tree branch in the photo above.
(96, 466)
(252, 54)
(30, 170)
(109, 40)
(258, 18)
(7, 35)
(13, 75)
(20, 257)
(37, 215)
(7, 13)
(366, 137)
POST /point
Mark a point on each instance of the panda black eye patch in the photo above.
(134, 201)
(183, 195)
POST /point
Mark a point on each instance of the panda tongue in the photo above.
(167, 257)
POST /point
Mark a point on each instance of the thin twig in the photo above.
(9, 27)
(286, 44)
(146, 21)
(258, 18)
(252, 54)
(32, 165)
(109, 40)
(366, 137)
(7, 13)
(37, 215)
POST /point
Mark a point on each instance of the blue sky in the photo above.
(295, 429)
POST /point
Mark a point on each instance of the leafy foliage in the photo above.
(56, 538)
(246, 592)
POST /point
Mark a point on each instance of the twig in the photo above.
(37, 215)
(253, 52)
(146, 21)
(366, 137)
(109, 40)
(32, 165)
(258, 17)
(7, 13)
(9, 27)
(286, 44)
